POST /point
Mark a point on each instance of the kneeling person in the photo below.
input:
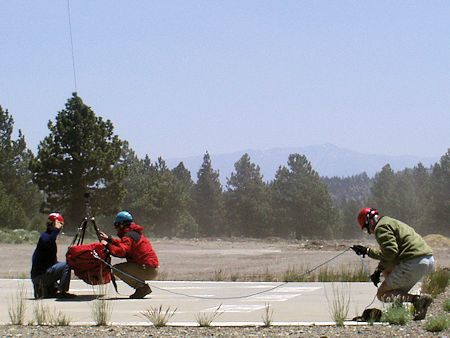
(142, 262)
(50, 278)
(404, 259)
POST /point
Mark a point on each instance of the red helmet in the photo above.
(55, 216)
(364, 215)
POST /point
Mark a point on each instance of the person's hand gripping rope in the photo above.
(360, 250)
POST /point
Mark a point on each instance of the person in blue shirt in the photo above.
(50, 278)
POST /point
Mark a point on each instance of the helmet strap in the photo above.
(370, 215)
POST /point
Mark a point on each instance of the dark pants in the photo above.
(56, 278)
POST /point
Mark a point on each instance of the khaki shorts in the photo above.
(134, 274)
(407, 273)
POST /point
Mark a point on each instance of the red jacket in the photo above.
(134, 246)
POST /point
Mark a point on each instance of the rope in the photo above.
(219, 298)
(222, 298)
(371, 302)
(71, 44)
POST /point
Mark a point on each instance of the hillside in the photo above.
(327, 159)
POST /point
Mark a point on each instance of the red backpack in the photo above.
(88, 268)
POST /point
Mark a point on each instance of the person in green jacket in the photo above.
(404, 258)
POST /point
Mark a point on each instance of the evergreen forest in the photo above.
(82, 167)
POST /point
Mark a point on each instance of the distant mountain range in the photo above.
(327, 159)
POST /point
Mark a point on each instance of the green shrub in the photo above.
(397, 314)
(447, 305)
(436, 282)
(438, 323)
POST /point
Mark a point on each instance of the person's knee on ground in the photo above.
(420, 302)
(387, 294)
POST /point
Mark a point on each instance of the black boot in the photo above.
(141, 292)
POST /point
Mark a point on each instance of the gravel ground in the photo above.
(412, 329)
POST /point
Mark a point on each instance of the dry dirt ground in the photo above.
(237, 259)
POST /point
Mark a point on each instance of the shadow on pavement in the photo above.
(78, 298)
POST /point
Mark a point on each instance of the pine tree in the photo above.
(439, 212)
(301, 203)
(81, 153)
(20, 197)
(208, 200)
(186, 226)
(247, 201)
(158, 198)
(383, 192)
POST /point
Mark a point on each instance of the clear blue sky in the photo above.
(177, 78)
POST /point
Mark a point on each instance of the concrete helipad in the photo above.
(241, 303)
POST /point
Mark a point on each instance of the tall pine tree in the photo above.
(301, 203)
(247, 201)
(208, 200)
(80, 153)
(439, 212)
(20, 197)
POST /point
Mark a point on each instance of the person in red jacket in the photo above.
(142, 262)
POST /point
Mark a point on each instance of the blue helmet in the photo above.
(123, 217)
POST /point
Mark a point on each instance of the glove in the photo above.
(375, 277)
(360, 250)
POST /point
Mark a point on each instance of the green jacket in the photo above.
(398, 242)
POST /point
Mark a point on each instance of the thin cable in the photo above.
(371, 302)
(219, 298)
(71, 44)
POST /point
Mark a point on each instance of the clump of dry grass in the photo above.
(60, 319)
(267, 316)
(205, 319)
(157, 315)
(17, 305)
(41, 313)
(219, 276)
(340, 303)
(101, 309)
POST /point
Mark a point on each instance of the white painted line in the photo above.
(236, 308)
(209, 296)
(271, 297)
(298, 289)
(184, 288)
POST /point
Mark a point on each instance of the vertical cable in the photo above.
(71, 44)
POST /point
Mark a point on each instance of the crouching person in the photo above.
(50, 278)
(142, 262)
(404, 258)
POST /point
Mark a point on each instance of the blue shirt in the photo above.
(45, 254)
